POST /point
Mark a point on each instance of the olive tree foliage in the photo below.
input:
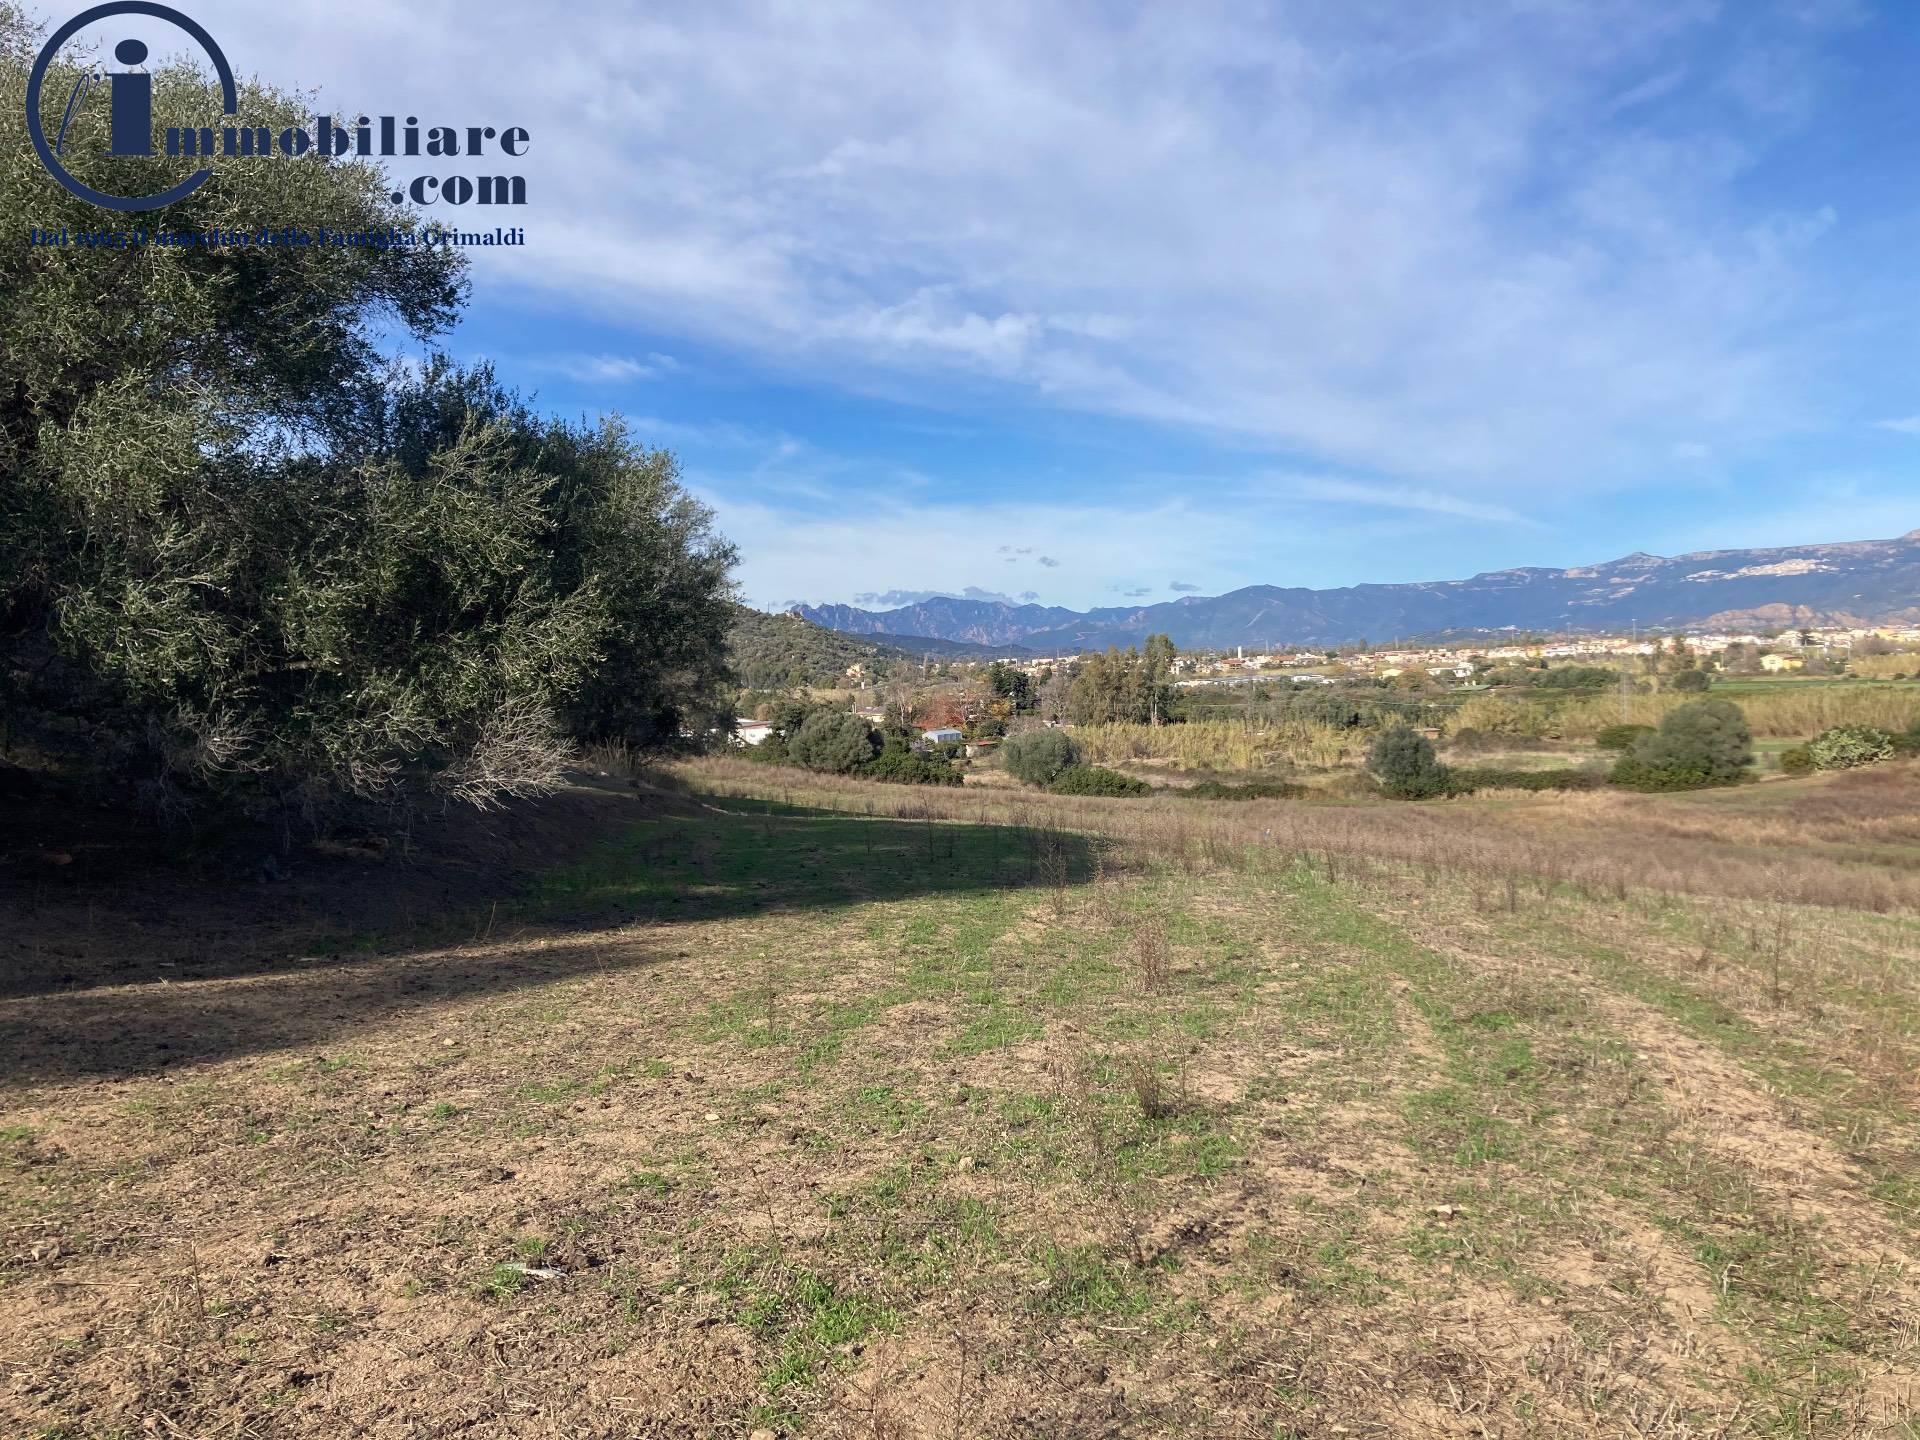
(241, 556)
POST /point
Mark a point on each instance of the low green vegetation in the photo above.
(1468, 779)
(1038, 757)
(1403, 763)
(833, 741)
(1621, 738)
(1847, 747)
(1096, 780)
(1259, 789)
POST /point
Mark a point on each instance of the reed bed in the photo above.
(1901, 665)
(1794, 712)
(1222, 745)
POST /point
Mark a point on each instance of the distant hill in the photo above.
(980, 622)
(775, 652)
(1856, 582)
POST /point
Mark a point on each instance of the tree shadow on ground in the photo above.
(687, 863)
(737, 857)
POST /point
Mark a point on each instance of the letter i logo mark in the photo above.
(131, 103)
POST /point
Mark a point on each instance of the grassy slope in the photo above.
(819, 1121)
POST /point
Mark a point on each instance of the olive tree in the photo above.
(242, 555)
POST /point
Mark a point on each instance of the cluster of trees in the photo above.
(1015, 686)
(1556, 677)
(1001, 696)
(1133, 686)
(244, 557)
(832, 741)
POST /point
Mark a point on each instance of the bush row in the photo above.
(1465, 780)
(1245, 790)
(1096, 780)
(1703, 743)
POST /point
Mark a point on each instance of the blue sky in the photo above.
(1095, 304)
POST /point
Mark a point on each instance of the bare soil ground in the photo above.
(774, 1107)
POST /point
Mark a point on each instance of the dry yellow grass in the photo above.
(1819, 841)
(1090, 1118)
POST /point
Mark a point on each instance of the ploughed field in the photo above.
(775, 1104)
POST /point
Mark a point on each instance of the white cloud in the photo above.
(1905, 425)
(1402, 497)
(941, 549)
(1421, 251)
(610, 369)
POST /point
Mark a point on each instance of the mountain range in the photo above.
(1854, 582)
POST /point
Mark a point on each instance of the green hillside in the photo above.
(775, 652)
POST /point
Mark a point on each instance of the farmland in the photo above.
(786, 1104)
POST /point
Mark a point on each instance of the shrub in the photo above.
(1248, 790)
(1038, 756)
(770, 751)
(1471, 738)
(1796, 760)
(1096, 780)
(1621, 737)
(900, 768)
(1847, 746)
(1704, 742)
(1690, 682)
(832, 741)
(1465, 780)
(1402, 760)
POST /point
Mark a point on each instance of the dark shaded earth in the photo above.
(95, 895)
